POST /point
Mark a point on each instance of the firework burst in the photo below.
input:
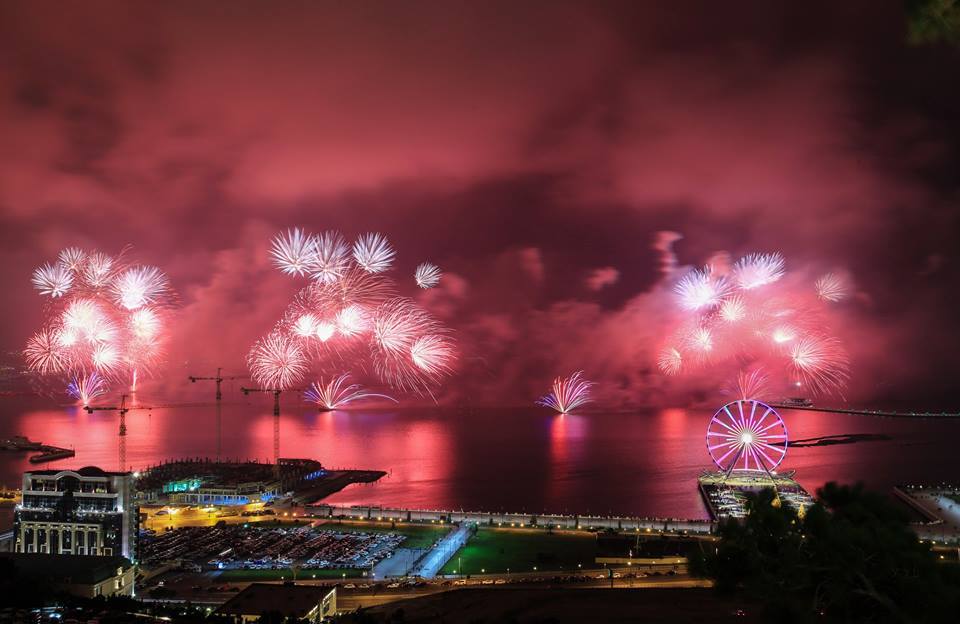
(331, 257)
(373, 253)
(750, 313)
(337, 393)
(427, 275)
(293, 252)
(276, 362)
(701, 289)
(105, 317)
(755, 270)
(350, 318)
(832, 287)
(567, 394)
(53, 280)
(85, 388)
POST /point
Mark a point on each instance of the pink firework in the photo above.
(750, 314)
(820, 363)
(109, 318)
(832, 287)
(670, 361)
(277, 362)
(432, 354)
(45, 354)
(567, 394)
(350, 317)
(337, 393)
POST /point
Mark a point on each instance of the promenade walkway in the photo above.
(434, 560)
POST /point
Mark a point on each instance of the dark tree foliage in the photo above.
(852, 557)
(933, 21)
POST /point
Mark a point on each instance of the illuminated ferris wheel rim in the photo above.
(747, 434)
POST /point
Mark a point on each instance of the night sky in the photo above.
(532, 150)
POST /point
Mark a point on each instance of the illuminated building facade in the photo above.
(81, 512)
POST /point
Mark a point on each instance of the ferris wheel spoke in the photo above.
(727, 454)
(725, 425)
(770, 426)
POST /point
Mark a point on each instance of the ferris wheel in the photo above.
(747, 435)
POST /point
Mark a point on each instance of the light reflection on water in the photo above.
(644, 463)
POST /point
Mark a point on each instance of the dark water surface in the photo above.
(643, 463)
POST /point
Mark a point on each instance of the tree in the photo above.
(850, 557)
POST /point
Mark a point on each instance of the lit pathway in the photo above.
(442, 552)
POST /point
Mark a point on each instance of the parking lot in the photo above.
(238, 547)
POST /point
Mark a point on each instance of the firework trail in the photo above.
(337, 392)
(750, 311)
(749, 385)
(567, 394)
(350, 317)
(105, 321)
(427, 275)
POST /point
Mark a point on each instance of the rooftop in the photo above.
(70, 569)
(86, 471)
(257, 598)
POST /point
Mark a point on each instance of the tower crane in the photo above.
(276, 417)
(123, 408)
(219, 378)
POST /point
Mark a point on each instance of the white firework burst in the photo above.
(294, 252)
(331, 257)
(756, 269)
(139, 286)
(53, 279)
(73, 258)
(432, 354)
(427, 275)
(373, 253)
(701, 288)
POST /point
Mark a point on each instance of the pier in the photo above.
(678, 526)
(866, 412)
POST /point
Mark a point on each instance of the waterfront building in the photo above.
(79, 512)
(309, 603)
(85, 576)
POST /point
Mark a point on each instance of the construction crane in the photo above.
(219, 379)
(123, 408)
(276, 417)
